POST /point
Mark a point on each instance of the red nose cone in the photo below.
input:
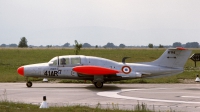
(20, 70)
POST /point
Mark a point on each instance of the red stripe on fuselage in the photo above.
(94, 70)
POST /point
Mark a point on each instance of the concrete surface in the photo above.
(178, 97)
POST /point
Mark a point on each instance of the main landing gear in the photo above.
(28, 83)
(98, 84)
(98, 81)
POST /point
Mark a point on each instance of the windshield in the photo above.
(54, 60)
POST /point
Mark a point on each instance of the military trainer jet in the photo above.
(100, 70)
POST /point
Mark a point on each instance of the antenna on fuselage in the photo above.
(124, 59)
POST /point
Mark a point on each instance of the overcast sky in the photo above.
(131, 22)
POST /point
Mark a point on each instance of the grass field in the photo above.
(6, 106)
(11, 59)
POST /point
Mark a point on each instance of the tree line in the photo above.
(179, 44)
(24, 43)
(187, 45)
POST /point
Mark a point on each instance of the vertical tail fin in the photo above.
(173, 57)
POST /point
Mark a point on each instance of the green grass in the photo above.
(6, 106)
(11, 59)
(9, 106)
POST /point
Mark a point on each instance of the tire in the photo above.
(98, 84)
(29, 84)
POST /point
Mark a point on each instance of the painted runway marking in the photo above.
(115, 94)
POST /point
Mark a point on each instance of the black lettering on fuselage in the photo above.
(52, 73)
(55, 73)
(45, 73)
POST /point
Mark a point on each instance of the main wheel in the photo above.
(29, 84)
(98, 84)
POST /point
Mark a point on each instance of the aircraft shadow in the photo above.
(89, 87)
(106, 87)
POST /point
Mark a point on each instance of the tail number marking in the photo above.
(52, 73)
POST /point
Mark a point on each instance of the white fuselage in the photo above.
(100, 70)
(49, 70)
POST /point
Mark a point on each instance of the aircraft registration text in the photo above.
(52, 72)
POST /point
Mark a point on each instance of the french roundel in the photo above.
(126, 69)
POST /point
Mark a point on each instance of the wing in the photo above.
(95, 70)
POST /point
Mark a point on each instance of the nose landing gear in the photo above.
(28, 83)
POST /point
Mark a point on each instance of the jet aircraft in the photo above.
(100, 70)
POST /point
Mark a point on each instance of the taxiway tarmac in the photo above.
(178, 97)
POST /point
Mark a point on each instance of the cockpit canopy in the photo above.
(71, 60)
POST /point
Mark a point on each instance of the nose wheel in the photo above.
(29, 84)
